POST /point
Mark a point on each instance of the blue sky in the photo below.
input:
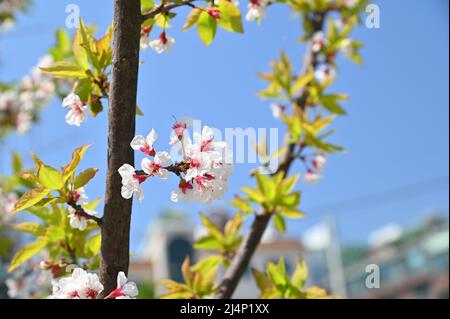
(396, 131)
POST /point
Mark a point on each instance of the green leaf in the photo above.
(241, 204)
(93, 245)
(77, 155)
(208, 242)
(192, 18)
(230, 17)
(206, 28)
(277, 276)
(27, 252)
(84, 177)
(290, 201)
(206, 264)
(267, 187)
(16, 163)
(262, 280)
(65, 69)
(291, 213)
(212, 228)
(254, 195)
(300, 275)
(89, 44)
(279, 222)
(50, 178)
(302, 81)
(139, 111)
(30, 198)
(33, 228)
(330, 102)
(288, 184)
(95, 107)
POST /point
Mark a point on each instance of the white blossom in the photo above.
(157, 166)
(256, 10)
(77, 110)
(162, 43)
(80, 285)
(130, 182)
(125, 289)
(325, 73)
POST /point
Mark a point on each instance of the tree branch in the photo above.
(121, 120)
(81, 212)
(250, 243)
(164, 8)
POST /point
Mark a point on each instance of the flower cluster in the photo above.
(84, 285)
(18, 107)
(314, 171)
(27, 282)
(203, 170)
(7, 10)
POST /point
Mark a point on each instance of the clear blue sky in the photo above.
(396, 131)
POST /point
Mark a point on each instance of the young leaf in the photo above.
(77, 155)
(206, 28)
(300, 275)
(27, 252)
(32, 228)
(84, 177)
(279, 223)
(50, 178)
(192, 18)
(30, 198)
(65, 69)
(208, 242)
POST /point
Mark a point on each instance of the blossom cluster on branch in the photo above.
(203, 170)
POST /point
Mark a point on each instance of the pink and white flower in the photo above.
(311, 177)
(157, 166)
(145, 145)
(131, 182)
(318, 41)
(79, 222)
(256, 10)
(277, 110)
(325, 73)
(80, 285)
(77, 110)
(125, 289)
(162, 43)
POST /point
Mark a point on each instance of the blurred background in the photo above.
(384, 203)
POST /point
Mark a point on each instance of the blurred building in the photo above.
(414, 264)
(169, 240)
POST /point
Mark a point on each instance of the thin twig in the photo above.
(164, 8)
(82, 213)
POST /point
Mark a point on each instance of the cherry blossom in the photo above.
(144, 40)
(80, 285)
(214, 13)
(277, 110)
(202, 172)
(319, 162)
(318, 41)
(156, 167)
(7, 203)
(78, 221)
(145, 145)
(162, 43)
(125, 289)
(77, 110)
(19, 106)
(325, 73)
(131, 182)
(256, 10)
(311, 177)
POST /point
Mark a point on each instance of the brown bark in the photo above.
(121, 120)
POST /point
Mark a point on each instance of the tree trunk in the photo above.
(121, 120)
